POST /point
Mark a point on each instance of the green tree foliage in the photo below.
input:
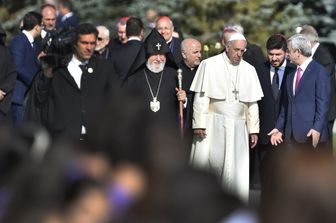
(203, 19)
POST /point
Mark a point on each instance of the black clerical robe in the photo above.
(187, 78)
(166, 95)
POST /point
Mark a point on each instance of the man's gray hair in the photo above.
(301, 42)
(105, 31)
(310, 32)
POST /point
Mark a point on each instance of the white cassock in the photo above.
(228, 117)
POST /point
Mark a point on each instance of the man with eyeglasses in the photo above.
(102, 49)
(165, 27)
(226, 115)
(67, 96)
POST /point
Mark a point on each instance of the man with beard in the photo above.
(155, 77)
(225, 115)
(272, 75)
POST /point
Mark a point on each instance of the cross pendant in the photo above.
(236, 93)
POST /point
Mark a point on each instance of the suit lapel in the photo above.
(66, 74)
(289, 82)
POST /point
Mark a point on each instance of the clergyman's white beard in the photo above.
(155, 68)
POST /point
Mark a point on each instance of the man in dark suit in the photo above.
(124, 56)
(165, 27)
(7, 80)
(121, 37)
(272, 76)
(66, 16)
(48, 12)
(322, 55)
(304, 120)
(24, 56)
(68, 95)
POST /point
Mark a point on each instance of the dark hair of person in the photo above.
(31, 19)
(66, 4)
(276, 41)
(85, 29)
(134, 27)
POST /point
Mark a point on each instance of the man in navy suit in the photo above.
(303, 120)
(124, 56)
(322, 55)
(24, 56)
(7, 80)
(66, 16)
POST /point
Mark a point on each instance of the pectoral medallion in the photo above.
(155, 105)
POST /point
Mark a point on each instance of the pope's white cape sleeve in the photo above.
(252, 117)
(201, 107)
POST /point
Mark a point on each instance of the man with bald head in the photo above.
(165, 27)
(226, 115)
(191, 54)
(48, 12)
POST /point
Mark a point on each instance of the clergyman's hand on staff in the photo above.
(200, 133)
(181, 95)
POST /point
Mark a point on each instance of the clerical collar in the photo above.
(189, 68)
(170, 40)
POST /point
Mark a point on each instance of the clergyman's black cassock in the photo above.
(155, 44)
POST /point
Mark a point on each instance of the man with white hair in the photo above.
(322, 55)
(102, 49)
(226, 115)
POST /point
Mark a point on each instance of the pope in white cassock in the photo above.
(225, 114)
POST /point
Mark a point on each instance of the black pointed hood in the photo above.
(153, 44)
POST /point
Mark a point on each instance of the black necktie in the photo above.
(275, 83)
(83, 67)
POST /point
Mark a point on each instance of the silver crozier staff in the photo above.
(179, 77)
